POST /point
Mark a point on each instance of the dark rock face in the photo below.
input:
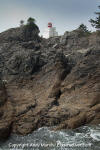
(25, 64)
(20, 34)
(6, 113)
(49, 82)
(3, 95)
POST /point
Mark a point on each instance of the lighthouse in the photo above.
(50, 31)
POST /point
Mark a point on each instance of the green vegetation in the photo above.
(30, 29)
(31, 25)
(96, 23)
(31, 21)
(21, 22)
(83, 30)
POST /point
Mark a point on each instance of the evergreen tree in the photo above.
(96, 23)
(31, 21)
(83, 28)
(31, 29)
(31, 24)
(21, 22)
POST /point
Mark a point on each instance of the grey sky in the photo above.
(64, 14)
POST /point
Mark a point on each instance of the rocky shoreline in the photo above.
(53, 82)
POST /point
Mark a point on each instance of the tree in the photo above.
(31, 21)
(31, 30)
(31, 24)
(96, 23)
(21, 22)
(83, 28)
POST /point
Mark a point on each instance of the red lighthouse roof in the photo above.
(49, 24)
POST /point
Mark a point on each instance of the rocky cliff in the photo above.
(53, 82)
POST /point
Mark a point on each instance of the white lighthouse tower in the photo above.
(50, 31)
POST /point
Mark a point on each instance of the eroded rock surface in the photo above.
(6, 113)
(53, 82)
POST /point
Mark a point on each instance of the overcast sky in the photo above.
(65, 15)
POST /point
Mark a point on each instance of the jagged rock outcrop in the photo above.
(50, 82)
(22, 34)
